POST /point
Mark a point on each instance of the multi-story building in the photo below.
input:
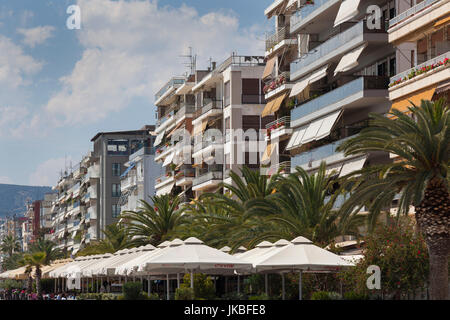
(138, 180)
(111, 151)
(338, 74)
(45, 215)
(421, 33)
(200, 116)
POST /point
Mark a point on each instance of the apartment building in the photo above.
(339, 74)
(137, 182)
(45, 215)
(421, 33)
(199, 119)
(111, 151)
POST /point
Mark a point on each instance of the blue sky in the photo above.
(59, 87)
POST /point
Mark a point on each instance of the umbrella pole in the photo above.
(266, 283)
(192, 280)
(239, 285)
(300, 285)
(178, 280)
(168, 287)
(283, 286)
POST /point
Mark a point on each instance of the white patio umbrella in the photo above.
(4, 275)
(225, 249)
(193, 255)
(302, 255)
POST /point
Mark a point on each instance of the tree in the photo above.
(10, 245)
(305, 205)
(420, 175)
(116, 238)
(153, 224)
(42, 253)
(401, 255)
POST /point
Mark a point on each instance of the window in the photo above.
(250, 91)
(118, 147)
(226, 93)
(392, 67)
(116, 169)
(115, 211)
(116, 190)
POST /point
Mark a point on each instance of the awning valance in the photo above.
(300, 86)
(442, 22)
(347, 11)
(350, 60)
(159, 138)
(267, 108)
(416, 97)
(327, 125)
(352, 166)
(269, 67)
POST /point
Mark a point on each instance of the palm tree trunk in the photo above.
(29, 284)
(433, 218)
(38, 283)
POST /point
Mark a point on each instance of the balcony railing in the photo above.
(336, 95)
(185, 173)
(275, 38)
(282, 79)
(305, 11)
(165, 118)
(172, 82)
(185, 109)
(204, 142)
(284, 122)
(163, 178)
(214, 175)
(316, 154)
(243, 61)
(209, 104)
(420, 69)
(128, 182)
(331, 45)
(411, 11)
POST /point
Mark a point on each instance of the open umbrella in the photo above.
(302, 256)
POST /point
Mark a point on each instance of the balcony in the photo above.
(213, 105)
(142, 152)
(428, 73)
(279, 128)
(128, 182)
(363, 91)
(283, 167)
(208, 180)
(314, 12)
(409, 23)
(94, 171)
(163, 180)
(278, 39)
(332, 49)
(278, 85)
(184, 111)
(165, 122)
(92, 191)
(168, 89)
(91, 214)
(185, 176)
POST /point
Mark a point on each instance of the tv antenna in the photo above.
(192, 63)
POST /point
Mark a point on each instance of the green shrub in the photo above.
(334, 296)
(9, 284)
(352, 295)
(153, 296)
(203, 286)
(132, 291)
(109, 296)
(321, 295)
(184, 294)
(259, 297)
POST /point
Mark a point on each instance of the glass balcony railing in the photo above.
(331, 45)
(172, 82)
(213, 175)
(336, 95)
(411, 11)
(320, 153)
(305, 11)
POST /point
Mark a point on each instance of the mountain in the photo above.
(13, 198)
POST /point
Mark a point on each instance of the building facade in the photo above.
(199, 119)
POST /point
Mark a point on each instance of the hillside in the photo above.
(14, 197)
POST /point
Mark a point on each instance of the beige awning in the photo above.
(350, 60)
(168, 160)
(268, 152)
(352, 166)
(442, 22)
(166, 190)
(159, 138)
(327, 125)
(301, 86)
(198, 129)
(175, 129)
(267, 109)
(277, 103)
(269, 67)
(347, 11)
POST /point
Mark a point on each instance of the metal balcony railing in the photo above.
(305, 11)
(411, 11)
(284, 122)
(276, 37)
(214, 175)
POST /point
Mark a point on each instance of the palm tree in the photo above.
(42, 253)
(10, 245)
(28, 270)
(305, 205)
(116, 238)
(420, 176)
(153, 224)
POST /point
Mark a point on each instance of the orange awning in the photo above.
(175, 129)
(442, 22)
(267, 153)
(269, 67)
(277, 103)
(416, 97)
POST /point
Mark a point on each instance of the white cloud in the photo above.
(5, 180)
(15, 66)
(36, 36)
(132, 48)
(48, 172)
